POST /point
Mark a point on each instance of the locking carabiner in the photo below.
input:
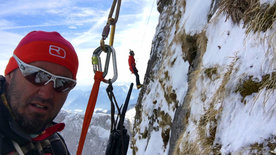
(115, 73)
(96, 62)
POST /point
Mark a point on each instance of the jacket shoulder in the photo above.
(58, 144)
(2, 84)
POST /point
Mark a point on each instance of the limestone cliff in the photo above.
(210, 82)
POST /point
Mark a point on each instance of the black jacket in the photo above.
(9, 131)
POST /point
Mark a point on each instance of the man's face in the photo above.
(34, 107)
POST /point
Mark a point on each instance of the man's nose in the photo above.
(47, 91)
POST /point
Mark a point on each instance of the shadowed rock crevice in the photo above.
(193, 48)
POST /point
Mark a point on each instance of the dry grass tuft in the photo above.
(260, 17)
(269, 81)
(235, 9)
(250, 86)
(188, 148)
(267, 146)
(256, 17)
(210, 72)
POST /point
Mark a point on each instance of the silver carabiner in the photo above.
(96, 62)
(115, 73)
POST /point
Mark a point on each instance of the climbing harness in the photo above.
(119, 139)
(99, 73)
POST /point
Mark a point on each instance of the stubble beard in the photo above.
(31, 125)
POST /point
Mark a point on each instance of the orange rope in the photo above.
(90, 109)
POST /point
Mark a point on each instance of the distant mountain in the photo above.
(78, 98)
(98, 132)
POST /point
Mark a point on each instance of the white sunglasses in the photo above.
(39, 77)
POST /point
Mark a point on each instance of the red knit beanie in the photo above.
(45, 46)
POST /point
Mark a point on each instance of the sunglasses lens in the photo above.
(63, 85)
(38, 78)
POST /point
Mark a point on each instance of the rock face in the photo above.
(210, 82)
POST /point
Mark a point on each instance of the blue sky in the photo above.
(81, 22)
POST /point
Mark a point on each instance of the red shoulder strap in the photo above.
(49, 131)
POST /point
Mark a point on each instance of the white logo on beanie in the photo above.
(57, 51)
